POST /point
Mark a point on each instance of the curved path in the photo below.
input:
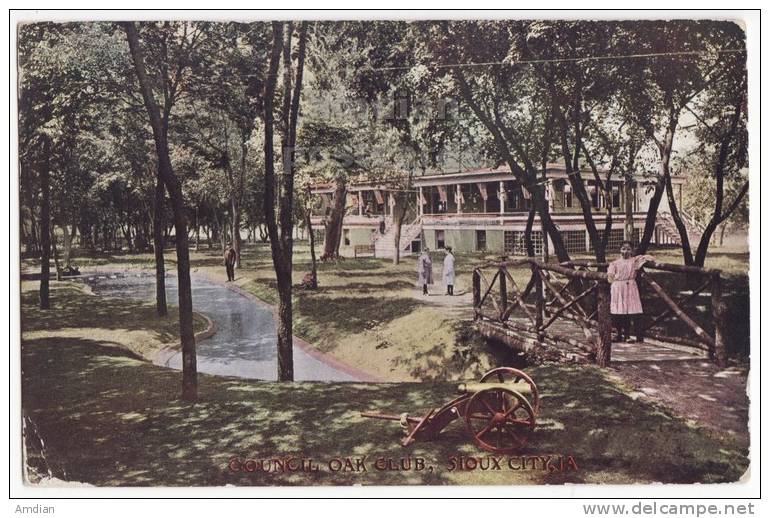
(244, 344)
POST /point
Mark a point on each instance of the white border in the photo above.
(748, 489)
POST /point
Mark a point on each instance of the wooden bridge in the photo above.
(564, 309)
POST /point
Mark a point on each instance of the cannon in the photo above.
(499, 412)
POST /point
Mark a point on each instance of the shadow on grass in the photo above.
(354, 314)
(109, 420)
(70, 307)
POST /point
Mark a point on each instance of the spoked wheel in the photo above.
(516, 379)
(500, 420)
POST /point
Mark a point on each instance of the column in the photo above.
(360, 203)
(419, 202)
(458, 199)
(501, 197)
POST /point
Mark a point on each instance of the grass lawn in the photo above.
(109, 419)
(125, 324)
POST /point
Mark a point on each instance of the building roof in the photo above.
(554, 170)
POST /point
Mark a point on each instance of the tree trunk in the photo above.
(45, 226)
(157, 235)
(126, 229)
(174, 188)
(680, 226)
(718, 218)
(399, 212)
(664, 150)
(284, 331)
(56, 264)
(651, 217)
(282, 244)
(197, 230)
(528, 245)
(604, 338)
(236, 229)
(628, 195)
(334, 225)
(722, 234)
(222, 227)
(541, 205)
(311, 237)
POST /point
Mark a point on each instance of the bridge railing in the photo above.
(579, 292)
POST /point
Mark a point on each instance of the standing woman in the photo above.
(424, 270)
(625, 302)
(449, 271)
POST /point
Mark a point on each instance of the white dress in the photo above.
(449, 269)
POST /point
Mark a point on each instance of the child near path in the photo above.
(449, 271)
(625, 302)
(424, 270)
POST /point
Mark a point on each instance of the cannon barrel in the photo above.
(390, 417)
(474, 386)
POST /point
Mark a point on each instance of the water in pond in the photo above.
(244, 344)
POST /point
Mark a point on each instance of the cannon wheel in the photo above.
(514, 376)
(500, 420)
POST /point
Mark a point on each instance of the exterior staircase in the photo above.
(668, 233)
(383, 243)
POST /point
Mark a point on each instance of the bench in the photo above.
(360, 250)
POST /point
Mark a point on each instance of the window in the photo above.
(439, 239)
(481, 240)
(514, 243)
(346, 236)
(568, 199)
(616, 197)
(574, 240)
(595, 196)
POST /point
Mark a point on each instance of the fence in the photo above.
(567, 306)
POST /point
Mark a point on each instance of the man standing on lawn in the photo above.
(230, 263)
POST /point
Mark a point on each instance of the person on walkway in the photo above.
(424, 270)
(230, 256)
(449, 271)
(625, 302)
(382, 224)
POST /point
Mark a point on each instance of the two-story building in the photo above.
(486, 210)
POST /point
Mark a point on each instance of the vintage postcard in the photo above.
(492, 251)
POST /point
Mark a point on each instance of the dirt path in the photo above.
(696, 390)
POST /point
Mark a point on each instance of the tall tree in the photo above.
(281, 194)
(173, 70)
(722, 153)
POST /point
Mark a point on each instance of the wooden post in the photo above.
(604, 344)
(503, 292)
(539, 300)
(718, 312)
(476, 291)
